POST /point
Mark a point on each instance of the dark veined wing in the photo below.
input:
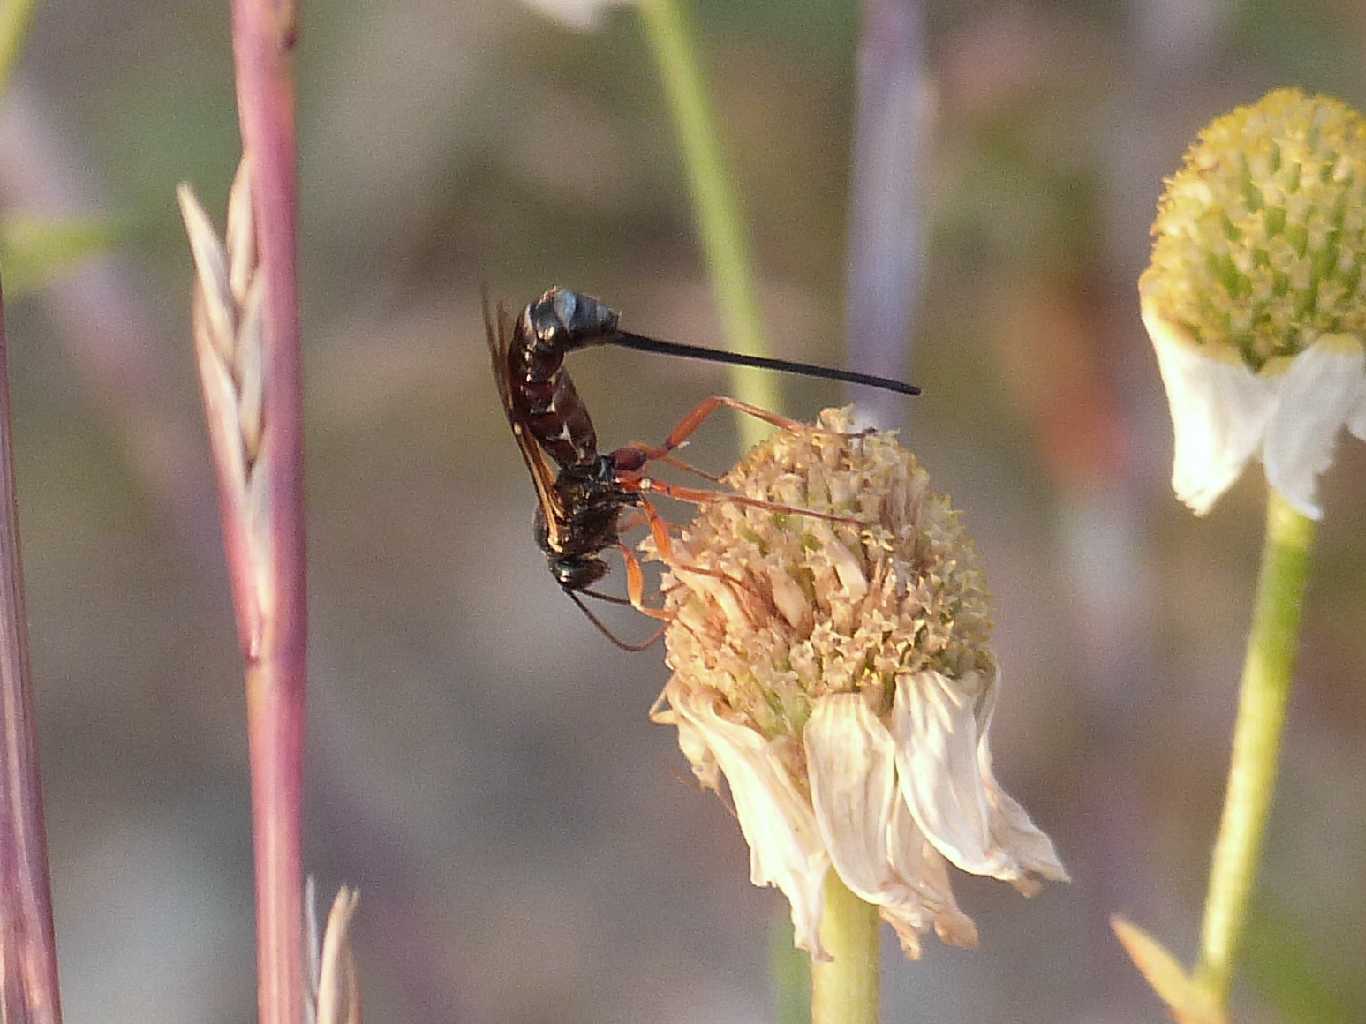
(497, 330)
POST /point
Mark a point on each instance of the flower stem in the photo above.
(28, 947)
(845, 990)
(15, 17)
(717, 208)
(1267, 673)
(263, 33)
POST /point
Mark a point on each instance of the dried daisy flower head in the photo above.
(1254, 300)
(838, 675)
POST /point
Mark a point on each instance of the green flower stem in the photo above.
(717, 209)
(15, 16)
(1267, 672)
(844, 990)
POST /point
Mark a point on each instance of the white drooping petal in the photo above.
(914, 859)
(785, 844)
(1013, 831)
(1219, 409)
(851, 762)
(1356, 421)
(1319, 390)
(874, 843)
(692, 743)
(577, 14)
(934, 724)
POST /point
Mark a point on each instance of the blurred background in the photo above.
(529, 848)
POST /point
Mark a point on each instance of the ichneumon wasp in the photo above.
(581, 492)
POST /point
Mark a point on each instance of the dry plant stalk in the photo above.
(28, 948)
(262, 534)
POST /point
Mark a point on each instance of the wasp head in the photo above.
(577, 572)
(563, 320)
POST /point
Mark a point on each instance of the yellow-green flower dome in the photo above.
(1261, 235)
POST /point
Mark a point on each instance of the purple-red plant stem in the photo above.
(28, 945)
(263, 37)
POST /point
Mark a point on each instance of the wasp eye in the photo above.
(566, 305)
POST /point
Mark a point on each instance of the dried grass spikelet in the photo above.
(840, 679)
(334, 985)
(227, 318)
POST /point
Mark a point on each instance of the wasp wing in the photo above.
(497, 331)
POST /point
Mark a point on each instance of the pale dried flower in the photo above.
(1253, 298)
(838, 676)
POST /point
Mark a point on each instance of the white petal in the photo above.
(851, 761)
(1219, 412)
(784, 841)
(582, 15)
(693, 744)
(1012, 830)
(875, 845)
(935, 727)
(1319, 390)
(1356, 422)
(921, 864)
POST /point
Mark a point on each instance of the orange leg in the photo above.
(659, 530)
(687, 467)
(643, 484)
(635, 587)
(635, 455)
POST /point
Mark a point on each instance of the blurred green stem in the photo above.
(1267, 673)
(15, 16)
(789, 972)
(844, 990)
(717, 209)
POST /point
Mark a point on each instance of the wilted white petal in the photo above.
(1219, 409)
(1319, 390)
(919, 863)
(1356, 422)
(694, 746)
(1012, 830)
(851, 761)
(784, 842)
(935, 728)
(578, 14)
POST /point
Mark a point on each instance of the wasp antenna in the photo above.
(673, 348)
(602, 628)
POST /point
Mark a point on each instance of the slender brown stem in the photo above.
(28, 947)
(263, 36)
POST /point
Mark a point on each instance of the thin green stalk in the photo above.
(719, 220)
(1267, 673)
(15, 17)
(789, 971)
(844, 990)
